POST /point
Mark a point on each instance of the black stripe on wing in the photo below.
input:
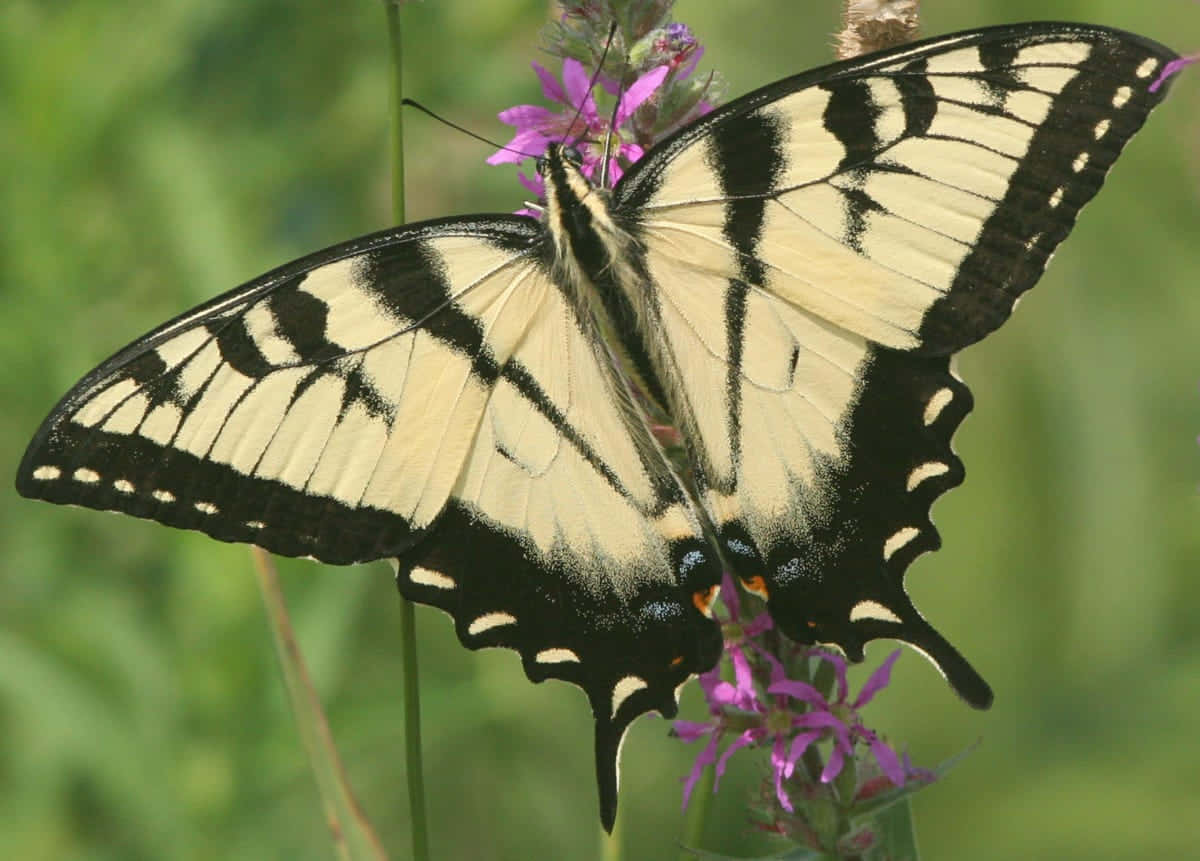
(1088, 125)
(189, 492)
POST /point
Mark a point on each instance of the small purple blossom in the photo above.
(1173, 68)
(680, 48)
(577, 120)
(787, 714)
(742, 694)
(849, 727)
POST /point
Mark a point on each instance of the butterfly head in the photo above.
(559, 153)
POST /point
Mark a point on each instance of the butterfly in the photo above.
(786, 278)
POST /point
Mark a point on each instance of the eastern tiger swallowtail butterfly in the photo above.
(787, 278)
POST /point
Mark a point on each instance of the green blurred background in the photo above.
(156, 153)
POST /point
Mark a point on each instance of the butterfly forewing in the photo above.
(819, 248)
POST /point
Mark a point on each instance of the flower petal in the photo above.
(839, 667)
(704, 759)
(524, 144)
(782, 769)
(878, 681)
(527, 116)
(889, 763)
(551, 88)
(798, 690)
(640, 90)
(688, 731)
(631, 153)
(761, 622)
(833, 767)
(748, 737)
(800, 744)
(533, 184)
(723, 694)
(826, 720)
(778, 673)
(743, 678)
(576, 80)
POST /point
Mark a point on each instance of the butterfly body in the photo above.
(785, 280)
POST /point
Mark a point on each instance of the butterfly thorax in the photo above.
(591, 249)
(596, 260)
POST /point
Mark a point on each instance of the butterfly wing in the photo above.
(430, 395)
(820, 248)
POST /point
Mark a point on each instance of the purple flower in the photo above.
(843, 716)
(578, 121)
(1173, 68)
(790, 715)
(741, 695)
(679, 49)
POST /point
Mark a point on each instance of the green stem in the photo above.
(412, 731)
(697, 814)
(408, 623)
(397, 142)
(610, 844)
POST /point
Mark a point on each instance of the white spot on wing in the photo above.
(205, 507)
(1146, 68)
(926, 470)
(556, 656)
(163, 495)
(489, 621)
(1101, 129)
(898, 540)
(872, 610)
(255, 524)
(936, 404)
(428, 577)
(85, 475)
(1121, 97)
(624, 689)
(47, 473)
(1056, 198)
(1080, 162)
(122, 485)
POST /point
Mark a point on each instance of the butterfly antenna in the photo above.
(612, 33)
(420, 107)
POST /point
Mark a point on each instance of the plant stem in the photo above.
(397, 114)
(415, 767)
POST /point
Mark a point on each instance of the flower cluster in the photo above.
(622, 89)
(766, 705)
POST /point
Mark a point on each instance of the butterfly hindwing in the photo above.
(819, 248)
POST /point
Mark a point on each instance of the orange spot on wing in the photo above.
(703, 599)
(677, 660)
(756, 585)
